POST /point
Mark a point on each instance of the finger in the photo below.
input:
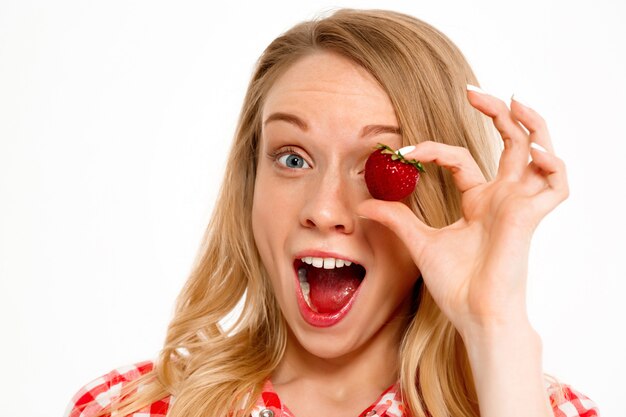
(555, 175)
(533, 122)
(458, 160)
(399, 218)
(516, 141)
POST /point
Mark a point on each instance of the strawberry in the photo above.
(389, 176)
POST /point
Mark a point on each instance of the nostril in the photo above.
(338, 227)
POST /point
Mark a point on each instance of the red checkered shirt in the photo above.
(96, 395)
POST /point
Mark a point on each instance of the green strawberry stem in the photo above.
(398, 156)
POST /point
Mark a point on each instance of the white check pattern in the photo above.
(103, 391)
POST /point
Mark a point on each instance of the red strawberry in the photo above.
(389, 176)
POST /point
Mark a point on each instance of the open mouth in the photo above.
(328, 284)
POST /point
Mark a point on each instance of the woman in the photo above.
(357, 306)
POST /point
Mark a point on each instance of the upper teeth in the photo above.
(326, 263)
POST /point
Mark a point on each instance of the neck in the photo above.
(372, 367)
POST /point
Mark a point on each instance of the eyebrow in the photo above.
(369, 130)
(372, 130)
(289, 118)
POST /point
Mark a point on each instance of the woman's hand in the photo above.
(476, 268)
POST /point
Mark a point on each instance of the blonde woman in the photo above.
(356, 306)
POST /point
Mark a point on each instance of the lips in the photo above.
(327, 288)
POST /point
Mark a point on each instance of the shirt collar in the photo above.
(389, 404)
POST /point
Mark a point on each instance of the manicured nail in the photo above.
(405, 150)
(520, 101)
(476, 89)
(537, 146)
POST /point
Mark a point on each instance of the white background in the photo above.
(114, 121)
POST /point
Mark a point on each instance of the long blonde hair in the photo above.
(210, 370)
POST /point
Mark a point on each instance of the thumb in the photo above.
(400, 219)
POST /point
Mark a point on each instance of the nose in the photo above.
(327, 205)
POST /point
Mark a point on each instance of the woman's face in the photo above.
(321, 120)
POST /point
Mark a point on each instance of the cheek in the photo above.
(400, 251)
(260, 218)
(270, 228)
(272, 214)
(388, 243)
(398, 259)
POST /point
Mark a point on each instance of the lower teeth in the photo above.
(302, 274)
(306, 288)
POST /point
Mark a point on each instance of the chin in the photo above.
(324, 345)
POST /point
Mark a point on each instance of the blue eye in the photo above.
(292, 160)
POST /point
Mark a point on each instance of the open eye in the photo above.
(293, 160)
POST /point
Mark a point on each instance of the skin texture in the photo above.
(341, 369)
(315, 208)
(482, 290)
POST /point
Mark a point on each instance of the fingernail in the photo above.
(405, 150)
(537, 146)
(520, 101)
(476, 89)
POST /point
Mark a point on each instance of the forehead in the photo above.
(325, 80)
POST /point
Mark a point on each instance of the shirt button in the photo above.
(266, 413)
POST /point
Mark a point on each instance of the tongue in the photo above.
(331, 289)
